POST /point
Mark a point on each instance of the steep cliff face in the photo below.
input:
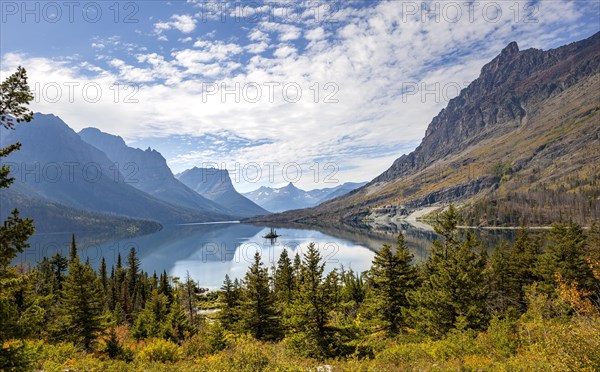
(528, 125)
(498, 100)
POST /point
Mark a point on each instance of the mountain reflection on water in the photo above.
(209, 251)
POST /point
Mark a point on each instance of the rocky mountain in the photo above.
(147, 170)
(215, 184)
(290, 197)
(520, 143)
(54, 164)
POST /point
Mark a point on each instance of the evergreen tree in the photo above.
(593, 250)
(230, 300)
(177, 325)
(511, 272)
(132, 277)
(259, 315)
(164, 287)
(453, 286)
(565, 254)
(309, 313)
(60, 264)
(150, 322)
(103, 276)
(73, 249)
(391, 277)
(284, 280)
(352, 293)
(15, 95)
(190, 293)
(82, 305)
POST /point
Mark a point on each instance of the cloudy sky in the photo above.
(312, 92)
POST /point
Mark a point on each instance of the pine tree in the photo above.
(259, 315)
(593, 249)
(150, 322)
(391, 277)
(284, 280)
(103, 276)
(229, 298)
(177, 326)
(453, 286)
(164, 287)
(190, 295)
(15, 95)
(352, 293)
(82, 305)
(60, 264)
(132, 277)
(511, 271)
(73, 249)
(309, 313)
(565, 254)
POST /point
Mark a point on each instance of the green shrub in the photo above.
(158, 350)
(17, 355)
(401, 354)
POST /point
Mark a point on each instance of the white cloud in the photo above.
(257, 48)
(315, 34)
(284, 51)
(184, 23)
(286, 32)
(367, 57)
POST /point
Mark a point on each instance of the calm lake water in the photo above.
(209, 251)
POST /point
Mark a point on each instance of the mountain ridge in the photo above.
(149, 172)
(474, 152)
(55, 164)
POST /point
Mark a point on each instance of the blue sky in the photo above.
(336, 89)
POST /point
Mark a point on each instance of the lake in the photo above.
(209, 251)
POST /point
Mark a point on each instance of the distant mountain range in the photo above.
(56, 165)
(94, 181)
(290, 197)
(148, 171)
(215, 184)
(69, 181)
(520, 144)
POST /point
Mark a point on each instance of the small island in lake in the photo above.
(272, 234)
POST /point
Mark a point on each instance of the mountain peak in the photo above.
(511, 49)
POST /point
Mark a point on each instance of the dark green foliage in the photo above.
(132, 283)
(73, 249)
(352, 296)
(309, 313)
(284, 280)
(565, 255)
(82, 304)
(151, 321)
(453, 285)
(60, 264)
(230, 299)
(15, 95)
(511, 271)
(391, 277)
(258, 313)
(177, 326)
(216, 338)
(15, 310)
